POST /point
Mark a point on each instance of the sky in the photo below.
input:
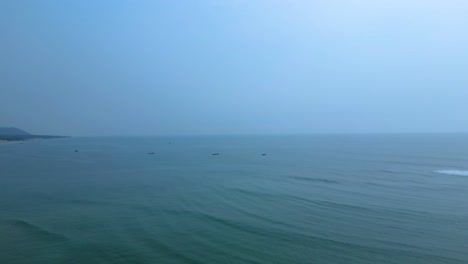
(164, 67)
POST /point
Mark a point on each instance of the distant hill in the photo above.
(16, 134)
(12, 131)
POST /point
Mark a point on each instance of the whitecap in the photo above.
(454, 172)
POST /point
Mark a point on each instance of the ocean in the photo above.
(323, 199)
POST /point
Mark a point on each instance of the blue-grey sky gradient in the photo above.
(235, 66)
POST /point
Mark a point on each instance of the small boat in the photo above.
(150, 153)
(215, 154)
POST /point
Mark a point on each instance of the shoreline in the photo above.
(4, 141)
(14, 141)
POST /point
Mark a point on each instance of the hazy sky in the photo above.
(233, 66)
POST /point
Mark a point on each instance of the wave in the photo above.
(301, 178)
(101, 252)
(324, 246)
(453, 172)
(35, 230)
(388, 171)
(169, 250)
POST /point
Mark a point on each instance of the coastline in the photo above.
(4, 142)
(35, 138)
(19, 138)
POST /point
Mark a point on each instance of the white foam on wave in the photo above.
(454, 172)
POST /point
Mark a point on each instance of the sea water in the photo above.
(311, 199)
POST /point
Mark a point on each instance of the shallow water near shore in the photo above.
(310, 199)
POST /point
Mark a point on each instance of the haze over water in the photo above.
(113, 68)
(312, 199)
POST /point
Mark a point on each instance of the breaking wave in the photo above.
(454, 172)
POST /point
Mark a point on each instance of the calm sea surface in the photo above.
(312, 199)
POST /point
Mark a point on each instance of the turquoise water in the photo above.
(312, 199)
